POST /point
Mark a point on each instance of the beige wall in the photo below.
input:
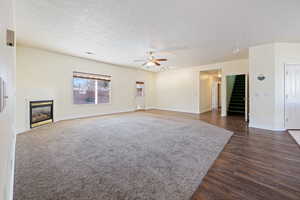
(46, 75)
(205, 92)
(43, 75)
(7, 73)
(179, 90)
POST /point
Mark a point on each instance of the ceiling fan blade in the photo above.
(161, 59)
(145, 63)
(157, 63)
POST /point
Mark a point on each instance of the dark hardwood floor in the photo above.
(255, 165)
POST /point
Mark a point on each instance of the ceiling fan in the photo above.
(151, 60)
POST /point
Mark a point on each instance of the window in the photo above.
(91, 88)
(139, 89)
(103, 91)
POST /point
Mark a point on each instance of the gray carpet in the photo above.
(134, 156)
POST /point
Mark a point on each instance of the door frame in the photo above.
(246, 93)
(219, 68)
(285, 92)
(214, 91)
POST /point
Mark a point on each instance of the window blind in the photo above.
(91, 76)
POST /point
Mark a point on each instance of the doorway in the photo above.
(236, 90)
(140, 95)
(292, 96)
(210, 91)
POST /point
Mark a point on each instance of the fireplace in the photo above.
(41, 112)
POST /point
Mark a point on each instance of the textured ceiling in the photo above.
(188, 33)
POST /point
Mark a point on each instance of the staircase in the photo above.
(237, 100)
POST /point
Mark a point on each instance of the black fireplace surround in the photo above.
(41, 112)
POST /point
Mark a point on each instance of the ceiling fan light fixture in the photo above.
(151, 64)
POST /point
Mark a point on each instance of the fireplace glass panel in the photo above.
(41, 114)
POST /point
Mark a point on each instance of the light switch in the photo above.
(2, 95)
(10, 38)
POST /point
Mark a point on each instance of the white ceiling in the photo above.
(187, 32)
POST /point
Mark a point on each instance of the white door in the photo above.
(292, 96)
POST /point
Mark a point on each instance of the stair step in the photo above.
(237, 109)
(237, 105)
(237, 97)
(235, 112)
(237, 100)
(239, 86)
(238, 94)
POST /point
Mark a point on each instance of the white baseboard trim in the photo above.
(93, 115)
(252, 125)
(150, 108)
(176, 110)
(205, 110)
(19, 131)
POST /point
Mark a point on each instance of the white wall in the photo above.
(43, 75)
(179, 90)
(205, 92)
(7, 72)
(261, 93)
(267, 97)
(285, 53)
